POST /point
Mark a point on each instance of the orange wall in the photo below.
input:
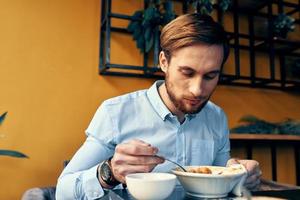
(51, 88)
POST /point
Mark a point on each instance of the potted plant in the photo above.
(5, 152)
(283, 24)
(254, 125)
(145, 24)
(206, 6)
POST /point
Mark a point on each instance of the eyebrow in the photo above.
(217, 71)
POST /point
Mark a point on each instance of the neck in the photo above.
(162, 90)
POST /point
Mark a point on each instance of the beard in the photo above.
(179, 104)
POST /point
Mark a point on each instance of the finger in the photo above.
(137, 160)
(253, 185)
(232, 161)
(139, 142)
(251, 166)
(255, 171)
(252, 178)
(136, 149)
(142, 143)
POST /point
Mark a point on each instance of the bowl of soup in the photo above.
(212, 181)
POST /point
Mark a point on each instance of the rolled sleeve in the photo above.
(81, 185)
(79, 178)
(91, 185)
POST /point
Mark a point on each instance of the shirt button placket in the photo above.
(180, 146)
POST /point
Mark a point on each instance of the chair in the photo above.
(44, 193)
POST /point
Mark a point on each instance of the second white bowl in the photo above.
(149, 186)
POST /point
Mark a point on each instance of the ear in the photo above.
(163, 62)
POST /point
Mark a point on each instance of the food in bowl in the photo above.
(233, 169)
(146, 186)
(201, 170)
(215, 184)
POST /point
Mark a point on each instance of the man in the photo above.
(172, 119)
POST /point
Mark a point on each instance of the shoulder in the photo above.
(125, 98)
(216, 120)
(215, 116)
(213, 110)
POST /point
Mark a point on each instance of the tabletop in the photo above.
(267, 188)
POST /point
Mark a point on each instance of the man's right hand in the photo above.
(133, 157)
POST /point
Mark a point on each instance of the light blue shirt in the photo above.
(202, 139)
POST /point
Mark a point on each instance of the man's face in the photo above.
(192, 75)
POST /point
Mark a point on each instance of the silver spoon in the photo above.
(180, 166)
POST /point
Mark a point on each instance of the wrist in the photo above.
(105, 175)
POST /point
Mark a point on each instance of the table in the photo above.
(267, 188)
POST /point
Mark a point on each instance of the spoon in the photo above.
(180, 166)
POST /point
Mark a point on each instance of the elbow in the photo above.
(62, 191)
(59, 190)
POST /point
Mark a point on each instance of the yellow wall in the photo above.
(51, 88)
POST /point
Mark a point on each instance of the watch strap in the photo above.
(106, 174)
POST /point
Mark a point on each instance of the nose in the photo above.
(196, 87)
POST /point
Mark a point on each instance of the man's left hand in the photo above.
(254, 173)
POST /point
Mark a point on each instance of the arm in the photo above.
(79, 179)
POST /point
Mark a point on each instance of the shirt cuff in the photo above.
(91, 185)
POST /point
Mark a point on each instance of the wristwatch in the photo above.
(106, 174)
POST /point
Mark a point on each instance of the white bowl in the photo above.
(213, 185)
(150, 186)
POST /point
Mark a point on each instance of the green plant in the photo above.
(283, 24)
(253, 124)
(145, 24)
(206, 6)
(4, 152)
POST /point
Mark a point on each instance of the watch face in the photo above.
(107, 175)
(105, 172)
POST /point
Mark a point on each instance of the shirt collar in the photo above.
(156, 100)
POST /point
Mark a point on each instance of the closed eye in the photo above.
(186, 71)
(211, 75)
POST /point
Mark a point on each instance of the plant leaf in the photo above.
(148, 33)
(132, 26)
(2, 117)
(168, 6)
(137, 32)
(138, 15)
(149, 12)
(224, 4)
(149, 43)
(141, 43)
(11, 153)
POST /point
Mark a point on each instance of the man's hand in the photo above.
(254, 173)
(134, 156)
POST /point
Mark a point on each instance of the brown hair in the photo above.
(189, 29)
